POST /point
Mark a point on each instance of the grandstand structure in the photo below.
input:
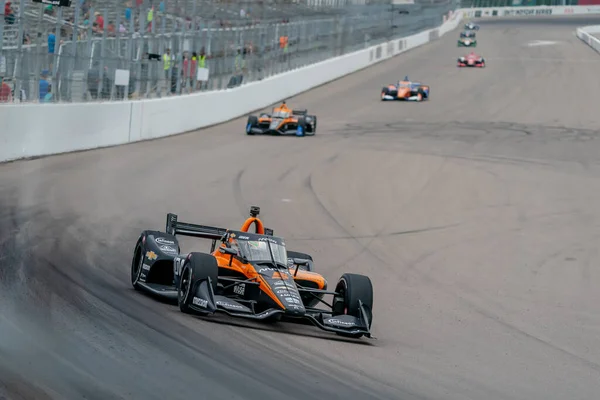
(161, 44)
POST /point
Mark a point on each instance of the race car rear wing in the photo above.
(174, 227)
(299, 112)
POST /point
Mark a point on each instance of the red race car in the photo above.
(471, 60)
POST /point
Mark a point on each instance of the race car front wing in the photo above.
(206, 302)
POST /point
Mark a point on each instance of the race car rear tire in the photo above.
(351, 288)
(303, 256)
(197, 268)
(314, 125)
(252, 122)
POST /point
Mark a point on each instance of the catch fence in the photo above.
(111, 50)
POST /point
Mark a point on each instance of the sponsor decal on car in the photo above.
(146, 267)
(229, 305)
(239, 289)
(168, 249)
(264, 239)
(339, 322)
(150, 255)
(161, 240)
(199, 302)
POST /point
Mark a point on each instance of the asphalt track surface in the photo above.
(476, 215)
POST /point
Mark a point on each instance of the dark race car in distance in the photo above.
(471, 26)
(248, 275)
(282, 121)
(467, 34)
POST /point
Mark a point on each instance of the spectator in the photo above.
(128, 12)
(5, 92)
(201, 64)
(51, 42)
(167, 58)
(99, 20)
(85, 8)
(185, 73)
(149, 18)
(240, 62)
(48, 97)
(9, 15)
(111, 28)
(44, 85)
(193, 69)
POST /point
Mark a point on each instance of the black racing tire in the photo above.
(384, 92)
(314, 128)
(197, 268)
(302, 124)
(304, 256)
(252, 122)
(137, 263)
(351, 288)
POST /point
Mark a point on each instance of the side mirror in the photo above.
(228, 250)
(299, 261)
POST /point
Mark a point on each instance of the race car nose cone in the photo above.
(295, 312)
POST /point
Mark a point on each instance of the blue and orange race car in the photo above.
(282, 121)
(405, 90)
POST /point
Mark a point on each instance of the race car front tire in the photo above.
(301, 129)
(197, 268)
(384, 92)
(351, 288)
(252, 123)
(137, 264)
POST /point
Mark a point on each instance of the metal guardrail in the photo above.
(259, 39)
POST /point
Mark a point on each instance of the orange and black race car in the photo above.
(405, 90)
(250, 275)
(282, 121)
